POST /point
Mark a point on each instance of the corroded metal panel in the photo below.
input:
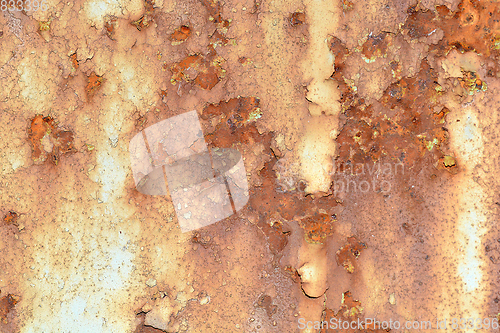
(249, 166)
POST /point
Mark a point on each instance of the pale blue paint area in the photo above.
(469, 129)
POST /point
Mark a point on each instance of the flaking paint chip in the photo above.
(151, 283)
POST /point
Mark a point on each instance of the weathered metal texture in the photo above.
(367, 133)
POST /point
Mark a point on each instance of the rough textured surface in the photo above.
(368, 132)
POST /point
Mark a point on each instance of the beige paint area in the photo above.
(317, 149)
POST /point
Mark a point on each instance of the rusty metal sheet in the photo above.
(249, 166)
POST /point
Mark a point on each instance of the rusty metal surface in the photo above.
(367, 132)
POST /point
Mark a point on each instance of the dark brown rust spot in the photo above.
(348, 254)
(266, 302)
(375, 46)
(7, 304)
(144, 22)
(297, 18)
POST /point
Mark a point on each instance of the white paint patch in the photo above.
(467, 142)
(469, 130)
(455, 62)
(72, 285)
(111, 171)
(36, 67)
(318, 64)
(111, 175)
(17, 157)
(96, 10)
(471, 232)
(318, 147)
(316, 151)
(138, 84)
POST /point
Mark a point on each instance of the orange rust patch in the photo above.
(267, 198)
(207, 80)
(347, 5)
(350, 307)
(348, 254)
(37, 130)
(180, 35)
(315, 215)
(276, 237)
(241, 106)
(297, 18)
(110, 26)
(146, 20)
(474, 27)
(48, 140)
(7, 304)
(94, 81)
(375, 46)
(74, 61)
(338, 48)
(439, 117)
(317, 227)
(222, 25)
(232, 123)
(471, 83)
(11, 218)
(235, 121)
(401, 127)
(204, 71)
